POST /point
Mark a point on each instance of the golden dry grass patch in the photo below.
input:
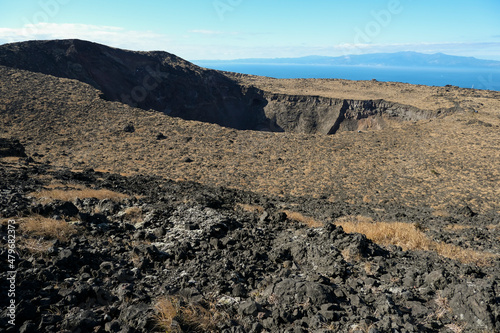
(409, 237)
(47, 228)
(492, 227)
(167, 309)
(307, 220)
(10, 159)
(441, 213)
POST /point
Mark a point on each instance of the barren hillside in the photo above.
(144, 218)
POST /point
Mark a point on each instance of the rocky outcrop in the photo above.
(315, 114)
(166, 83)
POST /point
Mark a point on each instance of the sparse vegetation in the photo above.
(35, 245)
(47, 228)
(133, 214)
(408, 237)
(37, 233)
(457, 227)
(299, 217)
(173, 315)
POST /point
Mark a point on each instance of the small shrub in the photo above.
(174, 316)
(443, 307)
(35, 245)
(167, 311)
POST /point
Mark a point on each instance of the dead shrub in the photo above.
(167, 311)
(35, 245)
(173, 315)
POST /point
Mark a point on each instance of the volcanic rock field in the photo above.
(148, 194)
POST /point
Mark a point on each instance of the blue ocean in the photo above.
(478, 78)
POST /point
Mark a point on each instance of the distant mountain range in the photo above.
(399, 59)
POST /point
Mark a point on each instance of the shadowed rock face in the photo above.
(149, 80)
(11, 147)
(166, 83)
(313, 114)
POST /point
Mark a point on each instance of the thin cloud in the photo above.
(213, 32)
(206, 32)
(189, 47)
(113, 36)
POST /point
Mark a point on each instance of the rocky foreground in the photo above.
(158, 255)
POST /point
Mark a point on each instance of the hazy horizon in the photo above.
(347, 55)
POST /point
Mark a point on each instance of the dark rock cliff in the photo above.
(166, 83)
(314, 114)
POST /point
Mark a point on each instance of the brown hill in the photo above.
(166, 83)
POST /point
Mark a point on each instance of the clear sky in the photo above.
(231, 29)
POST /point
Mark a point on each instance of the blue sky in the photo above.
(231, 29)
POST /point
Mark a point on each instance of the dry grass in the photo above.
(443, 307)
(171, 315)
(167, 310)
(255, 209)
(39, 226)
(299, 217)
(455, 328)
(457, 227)
(408, 237)
(38, 232)
(35, 245)
(133, 214)
(441, 213)
(52, 193)
(10, 159)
